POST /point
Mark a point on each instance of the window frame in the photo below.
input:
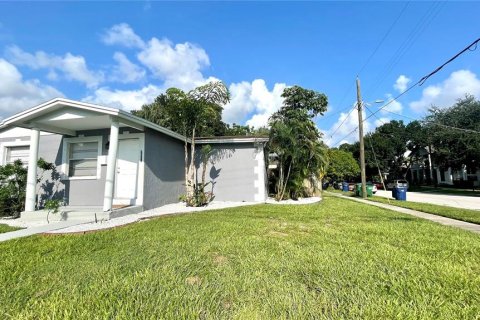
(66, 157)
(6, 145)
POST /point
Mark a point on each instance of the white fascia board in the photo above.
(10, 121)
(151, 125)
(49, 104)
(234, 140)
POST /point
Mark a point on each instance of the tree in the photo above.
(341, 165)
(239, 130)
(295, 140)
(194, 113)
(452, 147)
(389, 142)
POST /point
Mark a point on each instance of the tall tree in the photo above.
(341, 165)
(452, 147)
(194, 113)
(295, 139)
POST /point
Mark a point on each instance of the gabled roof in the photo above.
(26, 119)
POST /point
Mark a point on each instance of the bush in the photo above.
(13, 181)
(13, 184)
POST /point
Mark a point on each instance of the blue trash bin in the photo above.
(394, 193)
(345, 186)
(401, 193)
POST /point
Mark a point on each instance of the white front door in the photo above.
(127, 171)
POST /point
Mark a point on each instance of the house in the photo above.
(108, 158)
(424, 170)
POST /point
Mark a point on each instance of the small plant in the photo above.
(200, 197)
(52, 206)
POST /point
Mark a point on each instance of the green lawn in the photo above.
(5, 228)
(445, 211)
(332, 260)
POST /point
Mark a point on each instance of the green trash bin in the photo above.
(369, 190)
(358, 189)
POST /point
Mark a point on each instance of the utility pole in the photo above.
(362, 143)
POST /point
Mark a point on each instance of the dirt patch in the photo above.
(220, 260)
(303, 228)
(193, 281)
(278, 234)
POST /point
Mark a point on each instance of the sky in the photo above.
(124, 54)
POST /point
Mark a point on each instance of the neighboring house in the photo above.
(108, 158)
(424, 170)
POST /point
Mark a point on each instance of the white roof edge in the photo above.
(231, 140)
(151, 125)
(66, 101)
(125, 115)
(85, 105)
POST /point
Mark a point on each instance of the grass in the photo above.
(336, 259)
(467, 215)
(6, 228)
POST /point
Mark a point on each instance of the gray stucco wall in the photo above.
(164, 170)
(232, 171)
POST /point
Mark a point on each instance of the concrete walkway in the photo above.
(465, 202)
(438, 219)
(40, 229)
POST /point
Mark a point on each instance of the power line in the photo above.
(383, 38)
(349, 90)
(412, 37)
(348, 115)
(423, 79)
(471, 47)
(434, 123)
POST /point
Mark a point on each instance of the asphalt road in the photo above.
(464, 202)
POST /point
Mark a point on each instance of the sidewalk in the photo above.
(36, 230)
(428, 216)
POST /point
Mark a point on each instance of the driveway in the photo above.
(464, 202)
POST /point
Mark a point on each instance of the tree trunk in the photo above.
(191, 172)
(204, 168)
(186, 164)
(286, 180)
(280, 180)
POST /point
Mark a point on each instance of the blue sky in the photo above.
(123, 54)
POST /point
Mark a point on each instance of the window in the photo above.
(81, 157)
(17, 152)
(442, 174)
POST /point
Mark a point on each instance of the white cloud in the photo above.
(17, 94)
(253, 103)
(73, 67)
(344, 128)
(125, 99)
(401, 83)
(446, 93)
(122, 34)
(179, 65)
(125, 71)
(394, 106)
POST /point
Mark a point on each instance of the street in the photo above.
(464, 202)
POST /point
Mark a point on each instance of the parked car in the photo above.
(378, 184)
(374, 187)
(397, 183)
